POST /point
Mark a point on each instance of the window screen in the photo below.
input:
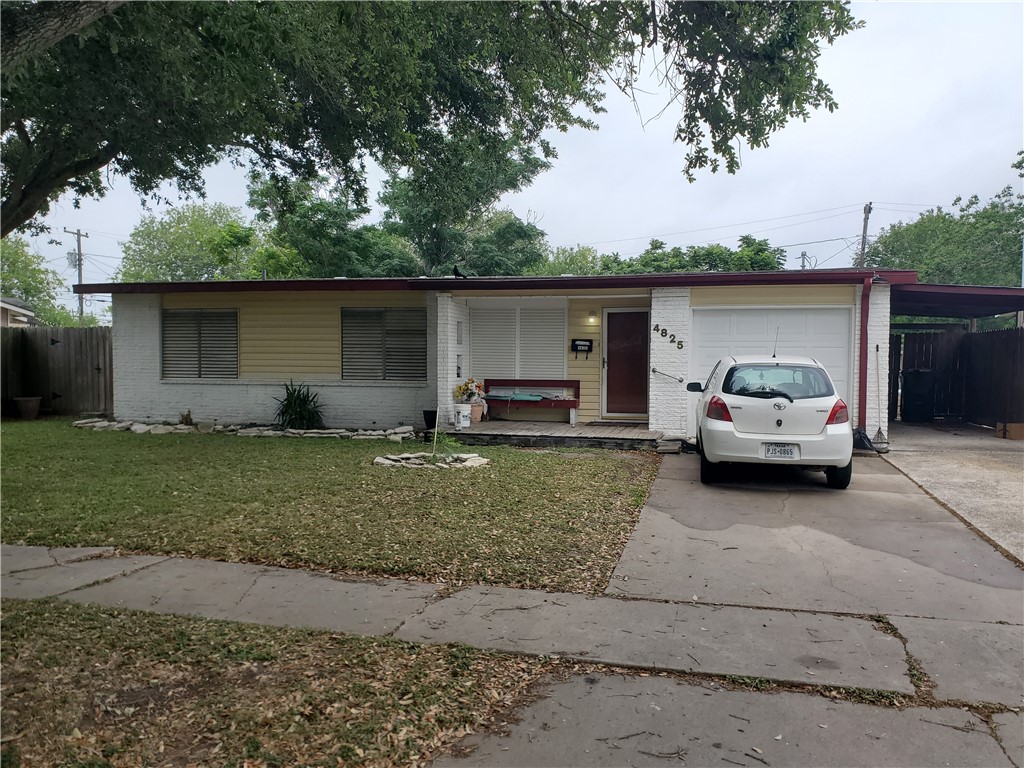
(384, 344)
(199, 343)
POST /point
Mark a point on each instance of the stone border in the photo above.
(430, 461)
(396, 435)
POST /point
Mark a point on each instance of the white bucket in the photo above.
(463, 415)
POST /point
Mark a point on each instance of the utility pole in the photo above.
(79, 234)
(864, 236)
(803, 259)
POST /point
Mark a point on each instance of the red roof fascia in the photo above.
(596, 282)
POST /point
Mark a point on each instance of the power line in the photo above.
(815, 242)
(722, 226)
(915, 205)
(756, 232)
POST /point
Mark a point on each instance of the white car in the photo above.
(773, 410)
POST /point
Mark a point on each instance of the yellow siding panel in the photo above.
(291, 333)
(769, 295)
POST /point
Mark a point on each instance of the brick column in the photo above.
(670, 309)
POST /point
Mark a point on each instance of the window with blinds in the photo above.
(524, 343)
(199, 344)
(384, 344)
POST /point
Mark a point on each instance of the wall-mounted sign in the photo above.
(582, 345)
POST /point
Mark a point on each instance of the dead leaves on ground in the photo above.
(122, 688)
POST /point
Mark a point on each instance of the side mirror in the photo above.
(694, 386)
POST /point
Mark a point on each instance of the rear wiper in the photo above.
(766, 393)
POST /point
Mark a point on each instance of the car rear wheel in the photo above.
(709, 473)
(839, 477)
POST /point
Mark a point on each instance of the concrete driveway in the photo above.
(883, 551)
(883, 546)
(976, 474)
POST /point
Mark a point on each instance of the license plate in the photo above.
(779, 451)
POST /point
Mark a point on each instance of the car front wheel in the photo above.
(839, 477)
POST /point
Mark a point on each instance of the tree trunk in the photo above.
(28, 30)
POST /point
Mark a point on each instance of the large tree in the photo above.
(160, 90)
(318, 221)
(439, 204)
(972, 244)
(193, 242)
(24, 275)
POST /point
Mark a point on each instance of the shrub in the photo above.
(299, 408)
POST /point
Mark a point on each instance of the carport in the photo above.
(951, 370)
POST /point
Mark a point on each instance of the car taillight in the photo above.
(840, 414)
(718, 410)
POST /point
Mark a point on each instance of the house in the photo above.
(15, 313)
(382, 351)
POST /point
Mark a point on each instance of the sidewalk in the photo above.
(605, 719)
(682, 637)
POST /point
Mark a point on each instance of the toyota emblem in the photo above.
(780, 406)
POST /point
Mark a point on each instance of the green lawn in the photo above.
(98, 687)
(555, 520)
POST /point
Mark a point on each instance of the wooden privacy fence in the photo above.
(978, 377)
(993, 365)
(69, 368)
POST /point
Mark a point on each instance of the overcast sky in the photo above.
(931, 106)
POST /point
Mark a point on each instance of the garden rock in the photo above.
(250, 432)
(205, 427)
(141, 429)
(86, 422)
(423, 460)
(121, 426)
(161, 429)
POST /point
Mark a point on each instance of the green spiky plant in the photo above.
(299, 408)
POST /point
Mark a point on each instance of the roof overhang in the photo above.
(19, 308)
(969, 301)
(485, 284)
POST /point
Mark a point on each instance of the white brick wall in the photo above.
(670, 308)
(878, 375)
(140, 394)
(450, 312)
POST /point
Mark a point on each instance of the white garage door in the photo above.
(824, 334)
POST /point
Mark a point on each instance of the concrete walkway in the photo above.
(976, 474)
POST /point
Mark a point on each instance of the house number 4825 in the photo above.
(663, 332)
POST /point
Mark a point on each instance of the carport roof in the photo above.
(927, 300)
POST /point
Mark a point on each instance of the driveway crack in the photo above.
(249, 589)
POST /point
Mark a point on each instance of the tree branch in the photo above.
(29, 29)
(24, 203)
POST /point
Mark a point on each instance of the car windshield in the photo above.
(794, 382)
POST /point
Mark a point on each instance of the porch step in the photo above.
(556, 441)
(669, 446)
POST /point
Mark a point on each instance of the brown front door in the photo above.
(627, 342)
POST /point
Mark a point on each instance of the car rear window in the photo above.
(800, 382)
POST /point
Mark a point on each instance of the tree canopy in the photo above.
(972, 244)
(24, 275)
(161, 90)
(193, 242)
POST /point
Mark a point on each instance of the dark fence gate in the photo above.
(976, 377)
(993, 364)
(69, 368)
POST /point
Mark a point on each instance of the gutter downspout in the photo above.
(862, 376)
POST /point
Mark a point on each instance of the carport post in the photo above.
(862, 374)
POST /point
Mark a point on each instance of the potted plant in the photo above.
(471, 393)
